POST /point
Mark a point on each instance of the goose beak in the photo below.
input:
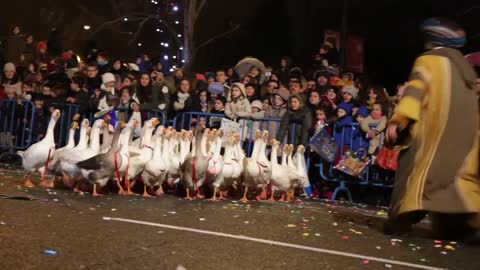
(104, 123)
(57, 113)
(135, 123)
(155, 122)
(75, 125)
(123, 125)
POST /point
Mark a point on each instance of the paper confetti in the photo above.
(438, 246)
(443, 253)
(388, 265)
(305, 234)
(113, 209)
(366, 261)
(172, 212)
(453, 243)
(335, 224)
(448, 247)
(202, 219)
(437, 242)
(317, 234)
(378, 247)
(291, 225)
(345, 237)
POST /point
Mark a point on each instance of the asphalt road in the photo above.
(308, 234)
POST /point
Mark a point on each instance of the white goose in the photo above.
(251, 169)
(69, 161)
(215, 163)
(144, 151)
(263, 162)
(36, 156)
(107, 135)
(55, 165)
(231, 167)
(301, 164)
(155, 170)
(122, 157)
(282, 177)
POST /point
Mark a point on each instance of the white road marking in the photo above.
(275, 243)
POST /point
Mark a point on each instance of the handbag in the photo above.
(353, 163)
(324, 145)
(387, 158)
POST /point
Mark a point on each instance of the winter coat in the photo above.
(238, 108)
(381, 123)
(302, 119)
(252, 126)
(152, 97)
(81, 98)
(178, 107)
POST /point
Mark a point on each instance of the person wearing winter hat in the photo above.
(251, 92)
(349, 94)
(238, 105)
(436, 125)
(109, 98)
(279, 102)
(343, 129)
(10, 79)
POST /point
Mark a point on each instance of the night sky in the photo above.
(269, 29)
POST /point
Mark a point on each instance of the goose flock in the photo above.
(162, 158)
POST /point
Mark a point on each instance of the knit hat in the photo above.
(256, 104)
(362, 111)
(215, 88)
(283, 93)
(347, 107)
(108, 77)
(443, 32)
(42, 45)
(239, 85)
(200, 76)
(9, 67)
(351, 90)
(210, 75)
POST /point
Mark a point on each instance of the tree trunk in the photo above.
(189, 30)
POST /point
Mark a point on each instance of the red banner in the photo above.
(354, 52)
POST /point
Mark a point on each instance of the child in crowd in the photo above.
(238, 106)
(344, 119)
(374, 133)
(251, 92)
(266, 104)
(40, 124)
(218, 108)
(27, 90)
(329, 99)
(279, 107)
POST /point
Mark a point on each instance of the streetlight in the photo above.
(86, 27)
(139, 44)
(175, 8)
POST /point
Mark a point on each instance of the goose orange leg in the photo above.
(188, 195)
(214, 197)
(159, 191)
(272, 199)
(77, 190)
(145, 193)
(28, 180)
(244, 198)
(223, 195)
(95, 194)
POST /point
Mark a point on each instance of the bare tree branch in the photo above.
(140, 27)
(88, 12)
(235, 28)
(199, 9)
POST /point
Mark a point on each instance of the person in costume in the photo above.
(435, 124)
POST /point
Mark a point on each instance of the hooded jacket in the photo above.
(239, 107)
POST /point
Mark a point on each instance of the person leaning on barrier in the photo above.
(150, 96)
(298, 116)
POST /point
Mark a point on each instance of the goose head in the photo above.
(301, 149)
(154, 122)
(100, 123)
(274, 143)
(258, 134)
(265, 135)
(56, 114)
(220, 133)
(85, 123)
(74, 125)
(160, 131)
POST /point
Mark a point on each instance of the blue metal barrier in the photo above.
(16, 125)
(328, 173)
